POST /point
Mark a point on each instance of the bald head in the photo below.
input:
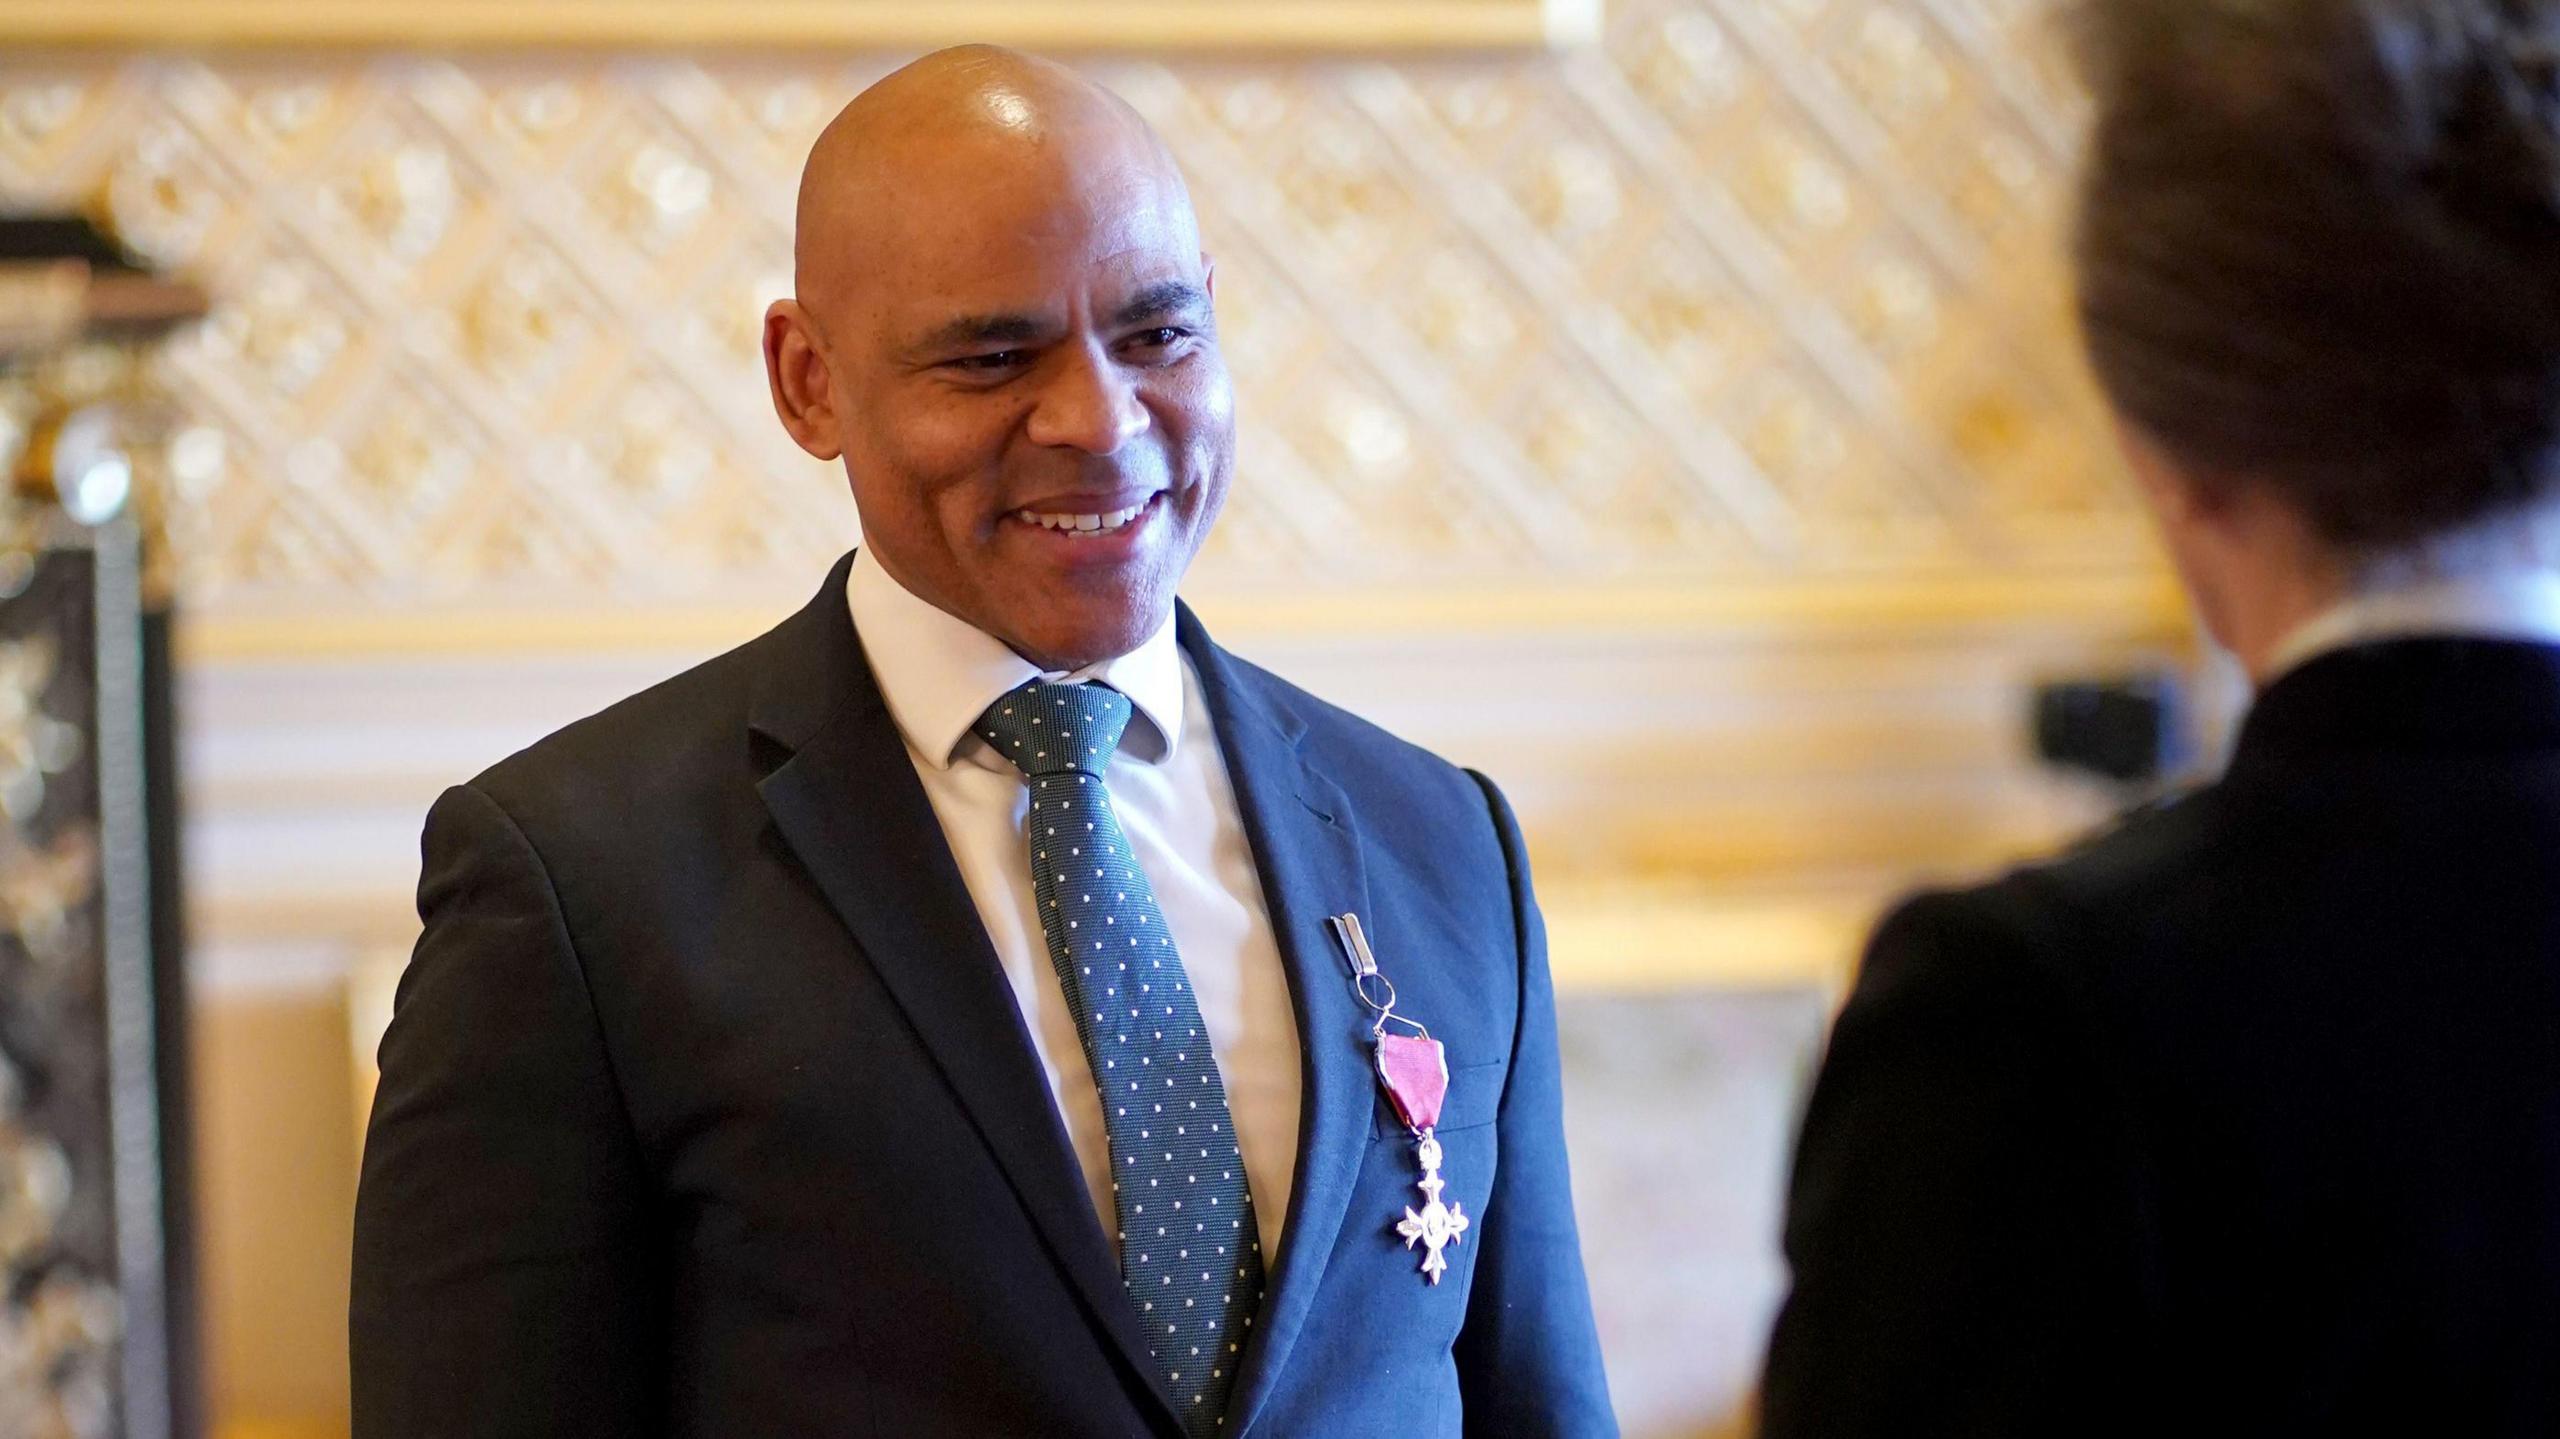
(1002, 325)
(973, 114)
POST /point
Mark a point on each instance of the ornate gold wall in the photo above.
(1754, 292)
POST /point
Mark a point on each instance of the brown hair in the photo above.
(2319, 249)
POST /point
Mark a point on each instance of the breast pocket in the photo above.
(1474, 1100)
(1470, 1148)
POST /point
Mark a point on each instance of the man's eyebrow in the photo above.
(970, 331)
(1162, 300)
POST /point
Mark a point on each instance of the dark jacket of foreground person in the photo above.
(2243, 1120)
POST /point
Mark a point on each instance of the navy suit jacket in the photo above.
(707, 1111)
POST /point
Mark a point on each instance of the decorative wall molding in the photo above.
(1812, 611)
(1706, 803)
(1367, 25)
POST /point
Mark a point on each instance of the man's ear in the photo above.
(1208, 275)
(795, 369)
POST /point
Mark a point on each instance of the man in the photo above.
(924, 1020)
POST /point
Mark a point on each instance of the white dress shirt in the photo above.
(1170, 788)
(2510, 602)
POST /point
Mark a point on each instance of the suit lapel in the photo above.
(1309, 857)
(848, 803)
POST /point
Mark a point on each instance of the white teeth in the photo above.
(1082, 524)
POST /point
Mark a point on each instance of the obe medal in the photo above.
(1414, 1071)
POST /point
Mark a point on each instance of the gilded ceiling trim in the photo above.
(1314, 25)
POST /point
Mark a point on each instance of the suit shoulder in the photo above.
(2135, 857)
(643, 744)
(2064, 913)
(1346, 738)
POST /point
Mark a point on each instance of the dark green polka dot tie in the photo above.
(1189, 1253)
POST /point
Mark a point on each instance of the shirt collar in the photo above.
(2511, 603)
(938, 673)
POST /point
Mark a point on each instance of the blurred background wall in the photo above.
(1673, 413)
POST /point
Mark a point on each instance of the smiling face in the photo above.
(1005, 330)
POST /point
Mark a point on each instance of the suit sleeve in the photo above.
(499, 1278)
(1529, 1354)
(1961, 1227)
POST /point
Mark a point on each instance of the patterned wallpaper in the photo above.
(1755, 290)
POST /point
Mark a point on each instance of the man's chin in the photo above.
(1085, 641)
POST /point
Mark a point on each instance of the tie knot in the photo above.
(1051, 729)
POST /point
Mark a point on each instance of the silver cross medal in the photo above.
(1414, 1070)
(1436, 1226)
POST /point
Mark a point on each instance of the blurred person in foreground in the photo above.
(924, 1020)
(2245, 1117)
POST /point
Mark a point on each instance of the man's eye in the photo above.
(1163, 337)
(1000, 360)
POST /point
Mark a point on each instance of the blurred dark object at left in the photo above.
(2132, 731)
(97, 1256)
(64, 281)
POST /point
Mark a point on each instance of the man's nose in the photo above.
(1088, 403)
